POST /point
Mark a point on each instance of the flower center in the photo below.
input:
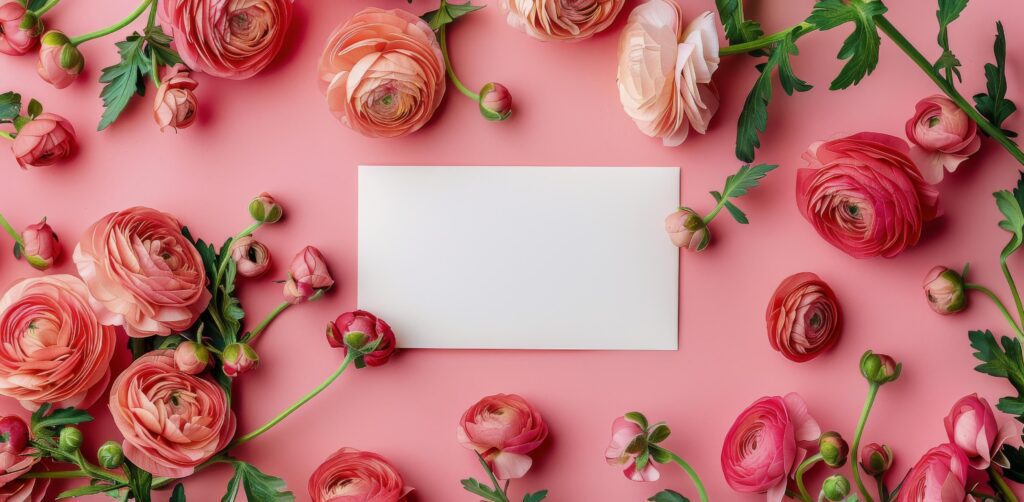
(933, 121)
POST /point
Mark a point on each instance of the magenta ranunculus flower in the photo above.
(972, 427)
(504, 429)
(361, 329)
(551, 20)
(939, 476)
(943, 136)
(766, 443)
(15, 37)
(350, 475)
(618, 454)
(16, 459)
(864, 195)
(44, 141)
(804, 317)
(307, 276)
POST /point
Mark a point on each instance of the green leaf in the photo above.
(124, 79)
(660, 433)
(475, 487)
(1015, 456)
(660, 455)
(10, 106)
(44, 424)
(754, 117)
(746, 179)
(637, 418)
(257, 485)
(949, 11)
(34, 108)
(82, 491)
(642, 460)
(736, 213)
(178, 495)
(535, 497)
(158, 46)
(1006, 362)
(1011, 204)
(139, 481)
(738, 29)
(668, 496)
(34, 4)
(861, 47)
(993, 104)
(447, 13)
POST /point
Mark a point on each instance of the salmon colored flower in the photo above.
(175, 105)
(504, 429)
(943, 136)
(307, 276)
(41, 247)
(252, 258)
(350, 475)
(559, 19)
(60, 62)
(191, 357)
(19, 28)
(803, 317)
(944, 290)
(687, 229)
(44, 141)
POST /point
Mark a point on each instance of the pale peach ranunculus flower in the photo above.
(383, 73)
(665, 71)
(175, 104)
(561, 19)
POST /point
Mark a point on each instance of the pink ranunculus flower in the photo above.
(60, 62)
(383, 72)
(138, 264)
(504, 429)
(42, 247)
(623, 433)
(307, 276)
(971, 426)
(939, 476)
(191, 357)
(943, 136)
(44, 141)
(171, 421)
(665, 70)
(53, 347)
(944, 290)
(864, 195)
(687, 229)
(16, 459)
(16, 39)
(252, 258)
(363, 329)
(175, 105)
(804, 318)
(766, 443)
(233, 39)
(550, 20)
(350, 475)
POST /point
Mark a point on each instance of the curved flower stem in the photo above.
(1000, 483)
(923, 63)
(10, 230)
(46, 7)
(854, 466)
(115, 27)
(298, 404)
(266, 321)
(222, 267)
(701, 492)
(801, 470)
(5, 134)
(1013, 288)
(1002, 308)
(883, 491)
(442, 37)
(55, 475)
(494, 480)
(764, 42)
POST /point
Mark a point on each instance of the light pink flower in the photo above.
(623, 433)
(687, 229)
(44, 141)
(766, 443)
(665, 71)
(943, 136)
(14, 39)
(971, 426)
(233, 39)
(171, 421)
(53, 348)
(362, 326)
(383, 73)
(15, 460)
(59, 61)
(252, 258)
(175, 105)
(307, 276)
(41, 245)
(138, 264)
(944, 290)
(939, 476)
(495, 102)
(350, 475)
(803, 317)
(191, 357)
(864, 195)
(550, 20)
(503, 428)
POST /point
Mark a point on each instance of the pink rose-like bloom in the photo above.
(171, 421)
(803, 317)
(503, 428)
(939, 476)
(350, 325)
(138, 264)
(383, 73)
(252, 258)
(59, 61)
(943, 136)
(665, 71)
(44, 141)
(307, 275)
(864, 195)
(550, 20)
(687, 230)
(41, 245)
(233, 39)
(175, 105)
(350, 475)
(53, 348)
(15, 40)
(623, 433)
(191, 357)
(15, 460)
(766, 443)
(971, 426)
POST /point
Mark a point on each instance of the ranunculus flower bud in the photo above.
(687, 229)
(41, 245)
(361, 330)
(44, 141)
(110, 455)
(803, 317)
(940, 475)
(943, 136)
(265, 209)
(835, 487)
(251, 257)
(239, 358)
(308, 276)
(59, 61)
(191, 357)
(13, 435)
(876, 459)
(972, 427)
(879, 368)
(628, 442)
(944, 289)
(71, 439)
(175, 105)
(833, 449)
(19, 28)
(495, 102)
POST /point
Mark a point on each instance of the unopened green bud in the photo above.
(879, 368)
(836, 487)
(110, 455)
(833, 448)
(70, 439)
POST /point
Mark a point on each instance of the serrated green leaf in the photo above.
(475, 487)
(1011, 204)
(536, 496)
(860, 49)
(1011, 405)
(1005, 361)
(668, 496)
(178, 495)
(124, 79)
(10, 106)
(1015, 456)
(447, 13)
(949, 11)
(738, 29)
(158, 46)
(34, 4)
(993, 104)
(139, 481)
(45, 423)
(746, 179)
(754, 117)
(256, 485)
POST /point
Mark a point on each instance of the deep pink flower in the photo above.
(972, 427)
(939, 476)
(42, 247)
(943, 136)
(307, 276)
(504, 429)
(16, 459)
(803, 317)
(363, 329)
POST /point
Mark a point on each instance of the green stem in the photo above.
(442, 37)
(5, 134)
(222, 267)
(999, 303)
(291, 409)
(1004, 489)
(854, 466)
(801, 470)
(764, 42)
(46, 7)
(76, 41)
(95, 471)
(714, 212)
(266, 321)
(1013, 288)
(55, 475)
(883, 491)
(701, 492)
(10, 231)
(923, 63)
(494, 479)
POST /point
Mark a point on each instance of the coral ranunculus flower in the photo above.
(175, 105)
(53, 348)
(44, 141)
(19, 29)
(559, 19)
(503, 428)
(804, 318)
(350, 475)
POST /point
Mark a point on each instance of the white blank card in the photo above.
(520, 257)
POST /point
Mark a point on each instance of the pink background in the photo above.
(274, 133)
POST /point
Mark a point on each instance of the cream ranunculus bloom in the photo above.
(665, 71)
(561, 19)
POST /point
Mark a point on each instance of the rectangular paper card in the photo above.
(520, 257)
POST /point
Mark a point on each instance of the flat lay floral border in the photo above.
(146, 283)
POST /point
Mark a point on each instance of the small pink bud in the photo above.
(687, 230)
(363, 332)
(944, 290)
(19, 29)
(308, 277)
(191, 357)
(13, 435)
(239, 358)
(495, 102)
(41, 245)
(251, 257)
(265, 209)
(60, 62)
